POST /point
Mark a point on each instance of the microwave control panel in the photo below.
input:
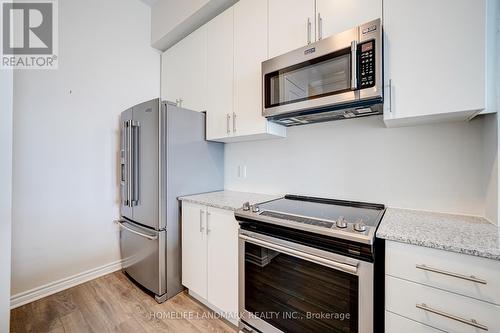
(366, 64)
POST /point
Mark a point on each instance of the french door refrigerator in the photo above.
(163, 155)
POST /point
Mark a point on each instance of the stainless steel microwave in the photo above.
(335, 78)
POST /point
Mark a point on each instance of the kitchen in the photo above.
(421, 171)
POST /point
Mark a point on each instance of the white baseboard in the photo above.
(54, 287)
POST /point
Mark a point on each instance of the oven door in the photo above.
(288, 287)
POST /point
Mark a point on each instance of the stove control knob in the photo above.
(246, 206)
(359, 226)
(341, 223)
(255, 209)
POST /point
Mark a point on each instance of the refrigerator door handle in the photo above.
(122, 225)
(134, 162)
(129, 162)
(123, 164)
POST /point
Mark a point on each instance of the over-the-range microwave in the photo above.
(334, 78)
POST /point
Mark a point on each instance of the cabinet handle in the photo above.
(471, 322)
(234, 122)
(308, 30)
(201, 220)
(320, 27)
(470, 278)
(228, 118)
(208, 225)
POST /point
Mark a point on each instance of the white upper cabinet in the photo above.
(291, 25)
(334, 16)
(438, 60)
(184, 72)
(220, 72)
(237, 45)
(250, 50)
(217, 69)
(295, 23)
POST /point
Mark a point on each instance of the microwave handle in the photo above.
(354, 65)
(309, 29)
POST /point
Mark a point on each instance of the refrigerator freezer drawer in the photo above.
(143, 253)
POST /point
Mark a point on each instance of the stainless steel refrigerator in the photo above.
(163, 155)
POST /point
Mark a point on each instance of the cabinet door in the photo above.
(397, 324)
(220, 76)
(340, 15)
(222, 251)
(169, 74)
(288, 25)
(184, 71)
(434, 57)
(194, 248)
(250, 50)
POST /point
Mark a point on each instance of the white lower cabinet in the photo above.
(222, 259)
(194, 248)
(430, 288)
(397, 324)
(210, 256)
(461, 274)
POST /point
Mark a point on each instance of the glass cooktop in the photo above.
(321, 212)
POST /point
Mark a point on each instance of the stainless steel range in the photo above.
(309, 265)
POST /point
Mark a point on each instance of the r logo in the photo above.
(27, 28)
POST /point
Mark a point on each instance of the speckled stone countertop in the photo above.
(456, 233)
(230, 200)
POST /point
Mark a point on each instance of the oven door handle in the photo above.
(302, 255)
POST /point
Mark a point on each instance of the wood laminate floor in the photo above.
(113, 303)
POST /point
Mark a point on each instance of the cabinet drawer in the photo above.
(397, 324)
(443, 310)
(459, 273)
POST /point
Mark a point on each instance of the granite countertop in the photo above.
(230, 200)
(456, 233)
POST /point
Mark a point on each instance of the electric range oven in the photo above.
(308, 265)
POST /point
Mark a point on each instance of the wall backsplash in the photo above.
(436, 167)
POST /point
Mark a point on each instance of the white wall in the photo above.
(491, 167)
(492, 144)
(6, 83)
(435, 167)
(66, 140)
